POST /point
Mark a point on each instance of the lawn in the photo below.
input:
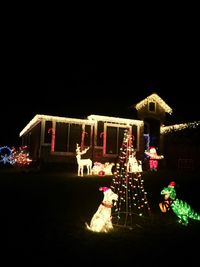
(43, 217)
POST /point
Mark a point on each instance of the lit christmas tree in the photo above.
(127, 183)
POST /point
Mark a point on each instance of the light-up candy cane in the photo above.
(52, 131)
(83, 138)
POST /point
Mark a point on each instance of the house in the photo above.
(54, 139)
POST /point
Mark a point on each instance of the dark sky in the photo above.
(101, 89)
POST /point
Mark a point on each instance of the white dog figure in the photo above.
(102, 219)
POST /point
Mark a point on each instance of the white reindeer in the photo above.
(83, 162)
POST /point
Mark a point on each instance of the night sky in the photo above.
(101, 89)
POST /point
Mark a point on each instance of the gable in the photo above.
(154, 98)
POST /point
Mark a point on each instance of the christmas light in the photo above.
(181, 208)
(83, 162)
(154, 97)
(101, 221)
(21, 156)
(128, 185)
(153, 158)
(38, 118)
(179, 127)
(6, 155)
(115, 120)
(102, 168)
(52, 131)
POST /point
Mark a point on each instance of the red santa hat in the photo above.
(172, 184)
(103, 188)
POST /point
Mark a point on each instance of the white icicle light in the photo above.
(154, 97)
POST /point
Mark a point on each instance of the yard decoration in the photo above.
(53, 133)
(83, 162)
(21, 156)
(6, 155)
(101, 221)
(133, 164)
(128, 184)
(181, 208)
(102, 168)
(153, 158)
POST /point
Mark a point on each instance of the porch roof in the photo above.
(38, 118)
(115, 120)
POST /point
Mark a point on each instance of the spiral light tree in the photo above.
(128, 184)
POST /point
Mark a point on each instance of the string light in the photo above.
(115, 120)
(129, 187)
(179, 127)
(156, 98)
(6, 155)
(181, 208)
(38, 118)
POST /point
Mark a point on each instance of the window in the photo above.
(100, 133)
(114, 139)
(61, 137)
(111, 140)
(67, 136)
(87, 135)
(152, 106)
(75, 131)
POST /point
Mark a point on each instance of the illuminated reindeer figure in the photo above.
(83, 162)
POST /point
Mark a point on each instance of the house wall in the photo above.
(152, 123)
(103, 135)
(67, 135)
(159, 113)
(182, 149)
(93, 137)
(32, 140)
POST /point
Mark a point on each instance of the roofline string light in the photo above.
(178, 127)
(154, 97)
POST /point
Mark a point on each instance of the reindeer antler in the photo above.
(78, 150)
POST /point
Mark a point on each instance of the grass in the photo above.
(43, 217)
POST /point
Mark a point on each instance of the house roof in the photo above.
(38, 118)
(179, 127)
(154, 97)
(115, 120)
(90, 121)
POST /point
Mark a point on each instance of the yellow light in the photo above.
(154, 97)
(38, 118)
(178, 127)
(115, 120)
